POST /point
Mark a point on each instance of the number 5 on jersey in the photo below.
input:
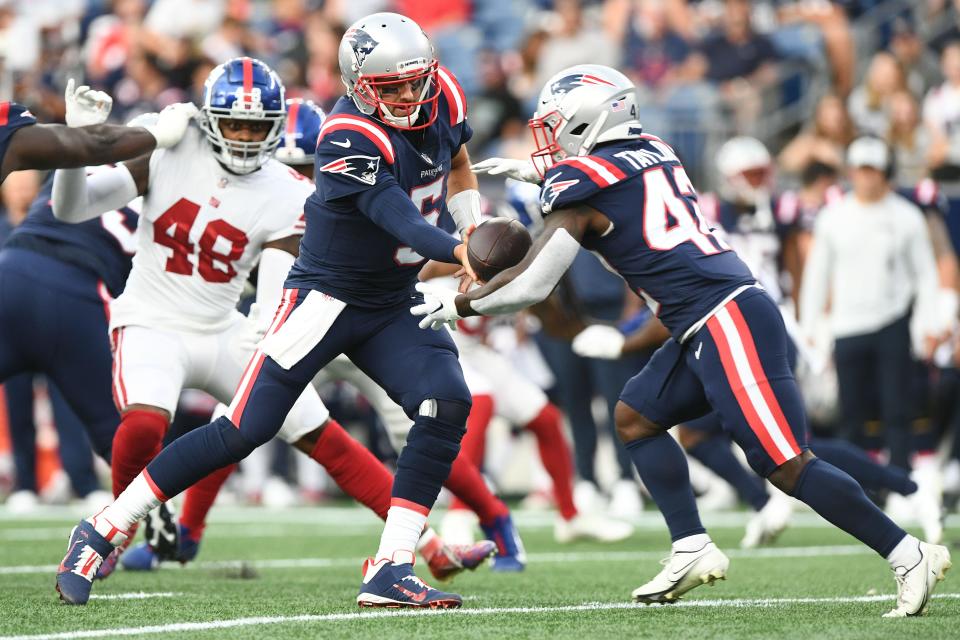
(427, 198)
(220, 243)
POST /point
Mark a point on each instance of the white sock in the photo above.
(906, 554)
(691, 543)
(400, 533)
(129, 507)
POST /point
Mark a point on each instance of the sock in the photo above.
(467, 484)
(474, 442)
(354, 468)
(906, 553)
(691, 543)
(717, 455)
(841, 501)
(555, 456)
(404, 526)
(199, 498)
(862, 467)
(140, 496)
(663, 468)
(137, 441)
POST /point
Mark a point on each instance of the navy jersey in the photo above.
(13, 116)
(658, 241)
(928, 197)
(343, 252)
(103, 246)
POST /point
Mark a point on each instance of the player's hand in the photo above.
(522, 170)
(466, 274)
(172, 123)
(599, 341)
(439, 306)
(86, 106)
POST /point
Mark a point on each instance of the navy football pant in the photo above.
(53, 321)
(411, 364)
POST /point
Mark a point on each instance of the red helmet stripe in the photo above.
(292, 118)
(247, 79)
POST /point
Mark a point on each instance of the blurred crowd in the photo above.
(805, 77)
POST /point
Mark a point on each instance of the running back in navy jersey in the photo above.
(103, 246)
(343, 252)
(658, 240)
(13, 116)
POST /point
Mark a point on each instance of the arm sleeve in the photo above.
(816, 278)
(78, 197)
(391, 209)
(924, 270)
(537, 280)
(274, 266)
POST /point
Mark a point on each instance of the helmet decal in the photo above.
(568, 83)
(362, 43)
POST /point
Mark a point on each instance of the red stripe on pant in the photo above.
(743, 399)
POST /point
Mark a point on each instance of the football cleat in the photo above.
(915, 584)
(85, 553)
(143, 557)
(162, 533)
(591, 526)
(766, 525)
(394, 585)
(683, 571)
(511, 555)
(110, 562)
(450, 559)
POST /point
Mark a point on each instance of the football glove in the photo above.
(522, 170)
(172, 124)
(599, 341)
(85, 106)
(439, 306)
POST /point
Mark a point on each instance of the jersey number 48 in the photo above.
(172, 230)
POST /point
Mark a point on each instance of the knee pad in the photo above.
(452, 412)
(238, 446)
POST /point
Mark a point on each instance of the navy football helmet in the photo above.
(304, 119)
(243, 89)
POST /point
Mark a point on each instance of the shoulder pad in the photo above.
(453, 93)
(359, 131)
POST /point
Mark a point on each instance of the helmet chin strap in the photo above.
(591, 138)
(399, 121)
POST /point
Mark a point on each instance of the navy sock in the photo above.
(841, 501)
(424, 463)
(717, 455)
(862, 468)
(663, 469)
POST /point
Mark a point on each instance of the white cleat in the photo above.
(591, 526)
(767, 524)
(625, 501)
(927, 501)
(682, 572)
(915, 584)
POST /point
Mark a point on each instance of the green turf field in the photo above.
(294, 574)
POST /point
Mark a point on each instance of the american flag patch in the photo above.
(618, 105)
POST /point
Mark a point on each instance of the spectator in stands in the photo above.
(323, 71)
(869, 104)
(833, 25)
(824, 142)
(496, 115)
(111, 39)
(941, 112)
(917, 60)
(909, 139)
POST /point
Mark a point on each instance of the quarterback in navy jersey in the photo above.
(389, 160)
(86, 140)
(612, 188)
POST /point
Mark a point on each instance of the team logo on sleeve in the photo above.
(553, 188)
(361, 168)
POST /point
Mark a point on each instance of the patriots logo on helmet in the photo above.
(569, 83)
(361, 168)
(363, 44)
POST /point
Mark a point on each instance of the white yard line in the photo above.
(136, 595)
(535, 558)
(349, 617)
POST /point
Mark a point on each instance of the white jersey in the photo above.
(201, 231)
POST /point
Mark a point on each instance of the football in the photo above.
(496, 245)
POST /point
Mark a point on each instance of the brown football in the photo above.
(495, 245)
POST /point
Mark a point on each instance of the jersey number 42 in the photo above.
(172, 230)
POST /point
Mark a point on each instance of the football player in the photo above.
(384, 158)
(85, 140)
(728, 351)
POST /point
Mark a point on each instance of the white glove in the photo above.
(599, 341)
(439, 306)
(86, 106)
(247, 340)
(172, 123)
(522, 170)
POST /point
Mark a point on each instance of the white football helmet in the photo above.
(384, 50)
(579, 108)
(746, 169)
